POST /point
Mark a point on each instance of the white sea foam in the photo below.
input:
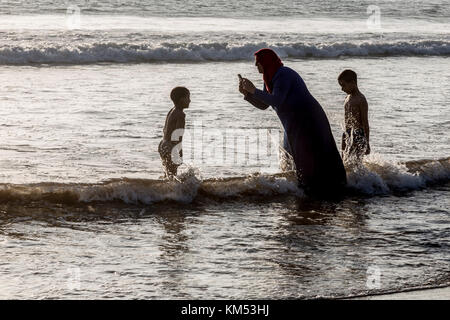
(378, 175)
(144, 191)
(173, 52)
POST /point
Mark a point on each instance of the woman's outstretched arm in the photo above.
(255, 102)
(281, 87)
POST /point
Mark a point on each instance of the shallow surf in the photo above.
(375, 177)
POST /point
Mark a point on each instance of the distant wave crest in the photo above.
(172, 52)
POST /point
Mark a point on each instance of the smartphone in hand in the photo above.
(241, 88)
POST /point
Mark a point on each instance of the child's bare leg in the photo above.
(171, 170)
(343, 145)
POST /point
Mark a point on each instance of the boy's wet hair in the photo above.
(177, 93)
(348, 75)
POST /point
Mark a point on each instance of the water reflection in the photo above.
(174, 238)
(173, 247)
(323, 240)
(275, 247)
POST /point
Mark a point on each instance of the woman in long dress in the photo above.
(319, 166)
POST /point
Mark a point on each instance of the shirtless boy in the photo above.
(170, 146)
(355, 140)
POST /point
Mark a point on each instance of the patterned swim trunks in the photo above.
(165, 151)
(356, 144)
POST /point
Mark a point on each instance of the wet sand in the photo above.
(427, 294)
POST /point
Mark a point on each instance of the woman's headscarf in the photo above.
(271, 63)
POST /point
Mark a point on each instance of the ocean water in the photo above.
(85, 214)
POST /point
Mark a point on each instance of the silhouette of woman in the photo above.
(319, 166)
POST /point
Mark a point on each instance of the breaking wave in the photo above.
(111, 52)
(377, 176)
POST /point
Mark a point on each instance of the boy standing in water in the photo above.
(170, 146)
(355, 140)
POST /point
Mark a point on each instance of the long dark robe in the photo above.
(317, 160)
